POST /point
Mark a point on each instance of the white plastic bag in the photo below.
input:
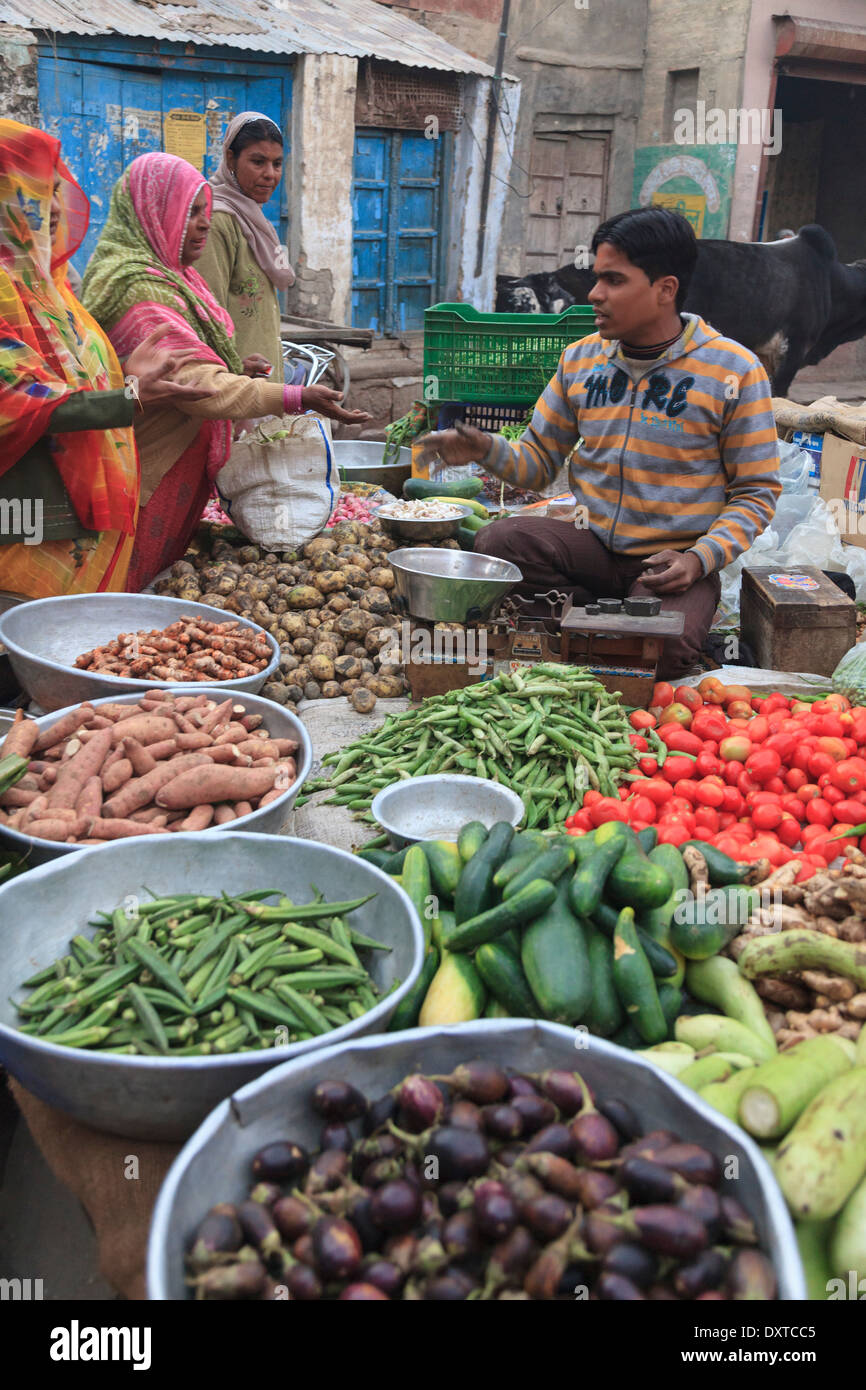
(280, 484)
(794, 468)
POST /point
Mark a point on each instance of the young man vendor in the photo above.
(678, 463)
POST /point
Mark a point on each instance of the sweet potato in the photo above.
(114, 712)
(37, 808)
(100, 721)
(141, 791)
(16, 797)
(185, 703)
(72, 745)
(261, 747)
(21, 738)
(199, 818)
(85, 764)
(115, 776)
(223, 813)
(48, 777)
(147, 728)
(218, 782)
(251, 721)
(89, 802)
(196, 739)
(215, 717)
(227, 754)
(271, 796)
(242, 808)
(140, 760)
(63, 728)
(54, 829)
(112, 828)
(151, 815)
(166, 748)
(232, 733)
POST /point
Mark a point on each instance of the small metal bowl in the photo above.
(404, 529)
(436, 807)
(44, 637)
(360, 461)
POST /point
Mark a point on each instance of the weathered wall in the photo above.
(18, 75)
(323, 133)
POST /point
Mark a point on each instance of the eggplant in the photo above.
(360, 1215)
(385, 1275)
(738, 1225)
(303, 1284)
(337, 1249)
(547, 1216)
(594, 1187)
(292, 1217)
(554, 1139)
(645, 1181)
(451, 1286)
(375, 1146)
(700, 1275)
(706, 1204)
(362, 1293)
(400, 1250)
(545, 1273)
(510, 1258)
(266, 1192)
(258, 1226)
(751, 1276)
(219, 1233)
(632, 1262)
(621, 1115)
(460, 1153)
(460, 1236)
(535, 1112)
(668, 1230)
(282, 1161)
(495, 1210)
(660, 1293)
(556, 1173)
(379, 1113)
(509, 1154)
(453, 1196)
(566, 1089)
(648, 1145)
(382, 1170)
(519, 1085)
(524, 1187)
(328, 1171)
(396, 1206)
(302, 1248)
(421, 1102)
(596, 1140)
(247, 1280)
(337, 1100)
(691, 1162)
(429, 1257)
(479, 1081)
(600, 1231)
(501, 1121)
(465, 1114)
(616, 1286)
(336, 1135)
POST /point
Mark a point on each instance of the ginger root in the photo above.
(835, 987)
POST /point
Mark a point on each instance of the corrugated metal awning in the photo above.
(353, 28)
(828, 43)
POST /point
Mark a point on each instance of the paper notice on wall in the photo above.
(185, 134)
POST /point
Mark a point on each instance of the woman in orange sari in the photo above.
(69, 478)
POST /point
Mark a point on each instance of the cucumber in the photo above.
(379, 857)
(419, 489)
(813, 1243)
(718, 981)
(634, 983)
(722, 869)
(443, 925)
(662, 961)
(478, 508)
(465, 538)
(445, 863)
(629, 1037)
(657, 920)
(526, 905)
(513, 866)
(848, 1241)
(498, 843)
(670, 998)
(823, 1158)
(494, 1009)
(474, 522)
(526, 840)
(584, 845)
(702, 925)
(638, 882)
(648, 838)
(722, 1034)
(604, 1014)
(416, 882)
(475, 892)
(470, 839)
(456, 993)
(555, 959)
(589, 882)
(550, 865)
(406, 1013)
(511, 941)
(396, 861)
(503, 975)
(671, 1062)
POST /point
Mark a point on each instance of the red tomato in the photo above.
(732, 802)
(763, 764)
(836, 701)
(735, 748)
(820, 812)
(850, 746)
(767, 817)
(848, 810)
(775, 702)
(641, 719)
(663, 694)
(709, 722)
(581, 821)
(840, 834)
(776, 785)
(674, 832)
(832, 794)
(648, 766)
(726, 818)
(783, 744)
(624, 792)
(739, 709)
(657, 713)
(834, 747)
(731, 772)
(764, 798)
(789, 831)
(741, 831)
(800, 757)
(591, 797)
(681, 714)
(689, 696)
(639, 744)
(709, 793)
(746, 784)
(850, 775)
(680, 740)
(639, 825)
(642, 808)
(795, 777)
(607, 808)
(676, 766)
(794, 806)
(819, 762)
(658, 790)
(739, 726)
(769, 847)
(706, 763)
(808, 792)
(808, 832)
(707, 821)
(727, 845)
(679, 807)
(821, 845)
(759, 729)
(832, 726)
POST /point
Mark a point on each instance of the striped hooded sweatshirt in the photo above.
(678, 453)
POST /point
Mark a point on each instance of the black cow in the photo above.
(791, 302)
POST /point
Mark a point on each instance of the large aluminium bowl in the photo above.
(45, 636)
(360, 461)
(215, 1165)
(435, 807)
(451, 586)
(165, 1097)
(279, 722)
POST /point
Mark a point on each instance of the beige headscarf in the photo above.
(263, 241)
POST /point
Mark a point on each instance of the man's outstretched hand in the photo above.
(671, 571)
(461, 445)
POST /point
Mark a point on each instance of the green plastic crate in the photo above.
(497, 358)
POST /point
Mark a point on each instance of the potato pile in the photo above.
(328, 605)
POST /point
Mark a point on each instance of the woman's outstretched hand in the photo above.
(324, 400)
(257, 365)
(149, 370)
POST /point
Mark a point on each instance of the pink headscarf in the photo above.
(268, 253)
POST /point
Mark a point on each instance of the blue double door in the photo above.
(105, 113)
(397, 227)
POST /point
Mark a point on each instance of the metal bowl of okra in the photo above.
(142, 984)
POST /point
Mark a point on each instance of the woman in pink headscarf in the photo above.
(141, 275)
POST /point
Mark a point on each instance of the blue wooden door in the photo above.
(105, 114)
(396, 209)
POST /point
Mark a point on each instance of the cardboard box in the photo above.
(843, 486)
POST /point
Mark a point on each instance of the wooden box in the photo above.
(796, 619)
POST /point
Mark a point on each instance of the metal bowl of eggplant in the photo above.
(166, 1096)
(216, 1165)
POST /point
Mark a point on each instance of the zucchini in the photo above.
(634, 982)
(406, 1013)
(584, 845)
(722, 869)
(724, 1096)
(456, 993)
(702, 925)
(419, 489)
(526, 905)
(638, 882)
(474, 522)
(550, 865)
(605, 1013)
(511, 941)
(396, 861)
(416, 882)
(555, 959)
(648, 838)
(706, 1071)
(702, 1031)
(589, 882)
(718, 981)
(823, 1158)
(445, 865)
(503, 975)
(470, 839)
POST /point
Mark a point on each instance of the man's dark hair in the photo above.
(252, 132)
(657, 240)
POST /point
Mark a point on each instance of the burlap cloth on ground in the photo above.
(92, 1165)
